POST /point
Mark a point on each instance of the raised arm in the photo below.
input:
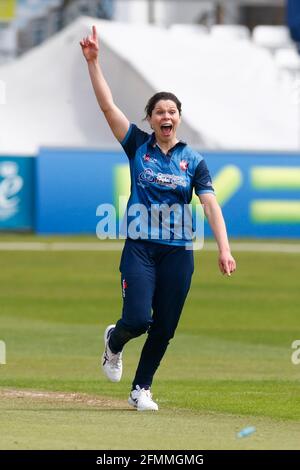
(215, 218)
(117, 121)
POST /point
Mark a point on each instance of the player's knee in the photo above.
(141, 327)
(138, 326)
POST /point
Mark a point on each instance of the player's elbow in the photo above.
(106, 108)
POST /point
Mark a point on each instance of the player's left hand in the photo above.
(227, 263)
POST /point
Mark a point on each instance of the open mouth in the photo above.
(166, 129)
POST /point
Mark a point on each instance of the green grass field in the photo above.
(228, 366)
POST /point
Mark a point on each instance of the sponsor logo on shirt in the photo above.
(163, 179)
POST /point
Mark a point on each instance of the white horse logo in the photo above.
(10, 184)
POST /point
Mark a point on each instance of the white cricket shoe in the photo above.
(141, 399)
(111, 363)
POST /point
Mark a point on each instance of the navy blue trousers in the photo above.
(155, 280)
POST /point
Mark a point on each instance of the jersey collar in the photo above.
(152, 143)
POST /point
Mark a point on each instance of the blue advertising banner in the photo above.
(70, 186)
(17, 193)
(259, 192)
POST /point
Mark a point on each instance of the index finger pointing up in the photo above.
(94, 33)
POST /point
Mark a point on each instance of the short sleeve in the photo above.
(202, 179)
(134, 138)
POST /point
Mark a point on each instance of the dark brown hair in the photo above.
(162, 95)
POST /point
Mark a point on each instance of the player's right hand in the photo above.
(90, 46)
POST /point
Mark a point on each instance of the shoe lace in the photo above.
(144, 391)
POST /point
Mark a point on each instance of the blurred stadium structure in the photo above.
(27, 23)
(234, 91)
(232, 63)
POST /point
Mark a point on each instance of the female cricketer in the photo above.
(156, 266)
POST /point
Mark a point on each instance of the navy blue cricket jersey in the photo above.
(161, 188)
